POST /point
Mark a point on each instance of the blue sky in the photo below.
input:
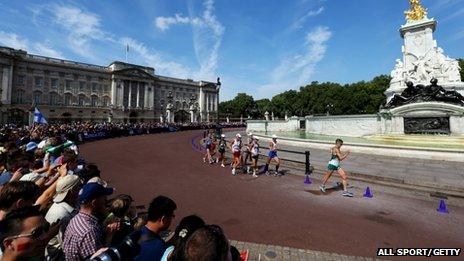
(261, 47)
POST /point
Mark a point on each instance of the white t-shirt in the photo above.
(58, 211)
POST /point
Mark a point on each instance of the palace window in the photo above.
(94, 101)
(54, 83)
(81, 86)
(38, 81)
(68, 85)
(19, 96)
(53, 99)
(20, 80)
(94, 87)
(67, 99)
(105, 102)
(81, 100)
(37, 98)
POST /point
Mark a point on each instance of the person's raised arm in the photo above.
(46, 164)
(341, 155)
(49, 193)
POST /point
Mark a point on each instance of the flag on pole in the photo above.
(38, 117)
(127, 51)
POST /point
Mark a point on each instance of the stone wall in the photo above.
(292, 124)
(346, 125)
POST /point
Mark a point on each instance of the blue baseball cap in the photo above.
(31, 146)
(93, 190)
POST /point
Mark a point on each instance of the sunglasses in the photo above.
(35, 234)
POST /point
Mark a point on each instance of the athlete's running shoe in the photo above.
(254, 175)
(322, 188)
(248, 169)
(268, 173)
(204, 160)
(347, 194)
(222, 165)
(233, 172)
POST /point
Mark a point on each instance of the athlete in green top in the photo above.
(334, 165)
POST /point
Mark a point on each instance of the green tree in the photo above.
(241, 105)
(315, 98)
(263, 106)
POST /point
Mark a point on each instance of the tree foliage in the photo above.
(314, 98)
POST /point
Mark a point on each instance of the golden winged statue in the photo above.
(417, 11)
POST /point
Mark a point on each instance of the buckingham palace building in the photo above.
(72, 91)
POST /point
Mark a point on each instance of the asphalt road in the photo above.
(271, 210)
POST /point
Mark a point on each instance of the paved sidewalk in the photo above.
(441, 176)
(261, 252)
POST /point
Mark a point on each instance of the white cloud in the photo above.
(297, 70)
(311, 13)
(81, 26)
(164, 23)
(12, 40)
(207, 38)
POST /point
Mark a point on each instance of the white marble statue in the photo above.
(422, 59)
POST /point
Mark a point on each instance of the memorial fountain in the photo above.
(423, 113)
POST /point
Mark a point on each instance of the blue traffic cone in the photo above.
(368, 193)
(307, 180)
(442, 208)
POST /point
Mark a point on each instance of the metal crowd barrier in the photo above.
(306, 162)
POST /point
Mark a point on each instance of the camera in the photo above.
(126, 250)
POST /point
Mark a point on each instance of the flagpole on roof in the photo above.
(127, 51)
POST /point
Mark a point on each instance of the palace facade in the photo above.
(72, 91)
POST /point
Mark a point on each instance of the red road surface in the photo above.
(278, 211)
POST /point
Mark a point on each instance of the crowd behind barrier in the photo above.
(80, 132)
(55, 206)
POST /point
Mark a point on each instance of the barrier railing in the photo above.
(306, 162)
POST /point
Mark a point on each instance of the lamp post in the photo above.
(169, 106)
(111, 113)
(218, 87)
(193, 98)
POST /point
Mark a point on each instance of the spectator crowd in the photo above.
(56, 206)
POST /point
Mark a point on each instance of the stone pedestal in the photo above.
(423, 60)
(393, 120)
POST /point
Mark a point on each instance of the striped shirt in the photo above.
(82, 237)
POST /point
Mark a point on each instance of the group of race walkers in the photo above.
(242, 152)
